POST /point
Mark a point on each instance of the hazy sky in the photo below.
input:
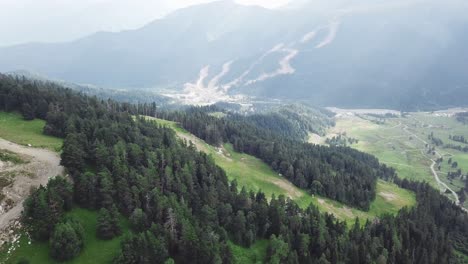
(62, 20)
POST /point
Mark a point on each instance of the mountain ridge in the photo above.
(352, 56)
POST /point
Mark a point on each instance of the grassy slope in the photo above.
(95, 250)
(15, 129)
(256, 175)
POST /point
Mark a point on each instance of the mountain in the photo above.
(406, 55)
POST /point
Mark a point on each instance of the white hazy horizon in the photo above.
(23, 21)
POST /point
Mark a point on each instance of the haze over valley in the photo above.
(312, 51)
(237, 132)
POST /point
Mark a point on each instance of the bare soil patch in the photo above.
(18, 179)
(292, 191)
(388, 196)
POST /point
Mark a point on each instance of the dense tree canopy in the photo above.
(66, 241)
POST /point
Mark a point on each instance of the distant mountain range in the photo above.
(400, 54)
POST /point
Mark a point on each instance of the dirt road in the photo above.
(43, 164)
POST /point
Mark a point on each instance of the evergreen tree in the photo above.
(104, 226)
(108, 225)
(277, 251)
(36, 214)
(28, 112)
(144, 248)
(66, 241)
(73, 153)
(138, 220)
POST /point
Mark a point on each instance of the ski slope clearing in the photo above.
(254, 174)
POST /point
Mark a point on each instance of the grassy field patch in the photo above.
(15, 129)
(95, 250)
(255, 254)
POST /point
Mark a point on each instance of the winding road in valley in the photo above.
(432, 167)
(42, 165)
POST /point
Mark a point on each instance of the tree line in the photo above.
(458, 138)
(462, 117)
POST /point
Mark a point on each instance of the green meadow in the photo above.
(94, 251)
(255, 254)
(401, 144)
(15, 129)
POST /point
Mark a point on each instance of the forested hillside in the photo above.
(342, 174)
(181, 206)
(294, 121)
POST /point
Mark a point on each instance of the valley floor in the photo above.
(404, 143)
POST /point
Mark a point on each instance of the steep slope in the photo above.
(178, 45)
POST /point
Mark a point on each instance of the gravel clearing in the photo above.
(42, 165)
